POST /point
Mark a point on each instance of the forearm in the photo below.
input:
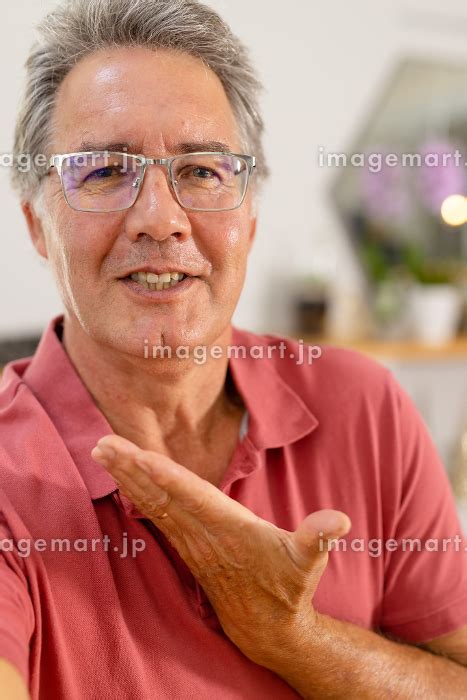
(333, 659)
(12, 685)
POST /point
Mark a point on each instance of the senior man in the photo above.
(195, 502)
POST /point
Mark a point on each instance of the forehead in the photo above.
(149, 99)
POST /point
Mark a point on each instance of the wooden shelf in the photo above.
(400, 349)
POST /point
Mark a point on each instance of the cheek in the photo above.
(235, 240)
(225, 243)
(77, 248)
(235, 254)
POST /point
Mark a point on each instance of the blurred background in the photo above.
(362, 235)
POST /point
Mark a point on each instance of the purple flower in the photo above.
(384, 188)
(439, 176)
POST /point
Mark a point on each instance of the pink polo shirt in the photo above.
(93, 622)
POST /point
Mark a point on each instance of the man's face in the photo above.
(153, 102)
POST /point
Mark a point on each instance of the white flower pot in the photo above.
(434, 312)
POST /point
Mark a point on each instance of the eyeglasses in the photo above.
(109, 181)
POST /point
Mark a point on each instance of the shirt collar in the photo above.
(277, 414)
(53, 379)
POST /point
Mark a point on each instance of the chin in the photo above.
(139, 338)
(131, 331)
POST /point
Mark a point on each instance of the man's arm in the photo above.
(453, 645)
(253, 571)
(17, 617)
(12, 685)
(333, 659)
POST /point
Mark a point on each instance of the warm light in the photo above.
(454, 210)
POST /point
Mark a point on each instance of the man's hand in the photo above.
(260, 579)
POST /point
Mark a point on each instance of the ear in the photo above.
(36, 230)
(252, 231)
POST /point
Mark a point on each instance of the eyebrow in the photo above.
(180, 148)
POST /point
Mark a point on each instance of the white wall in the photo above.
(323, 65)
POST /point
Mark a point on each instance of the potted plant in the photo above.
(435, 302)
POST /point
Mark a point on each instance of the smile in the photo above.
(153, 282)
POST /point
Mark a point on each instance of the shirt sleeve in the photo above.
(17, 619)
(425, 582)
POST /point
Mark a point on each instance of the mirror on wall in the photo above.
(401, 191)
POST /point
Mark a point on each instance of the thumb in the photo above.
(315, 534)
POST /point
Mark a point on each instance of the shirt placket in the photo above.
(245, 460)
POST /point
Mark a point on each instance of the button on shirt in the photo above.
(114, 612)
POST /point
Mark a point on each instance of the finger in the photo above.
(152, 501)
(194, 495)
(147, 469)
(134, 483)
(316, 534)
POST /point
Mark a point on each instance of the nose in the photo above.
(156, 211)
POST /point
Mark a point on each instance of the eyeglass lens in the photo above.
(111, 181)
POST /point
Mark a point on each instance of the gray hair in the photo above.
(78, 28)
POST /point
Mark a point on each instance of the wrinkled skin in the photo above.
(260, 579)
(153, 101)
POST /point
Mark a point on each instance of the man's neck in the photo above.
(154, 402)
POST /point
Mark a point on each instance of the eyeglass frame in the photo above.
(56, 161)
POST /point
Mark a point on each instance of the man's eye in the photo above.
(102, 173)
(203, 172)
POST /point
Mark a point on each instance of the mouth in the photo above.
(160, 286)
(153, 282)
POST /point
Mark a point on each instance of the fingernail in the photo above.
(106, 451)
(97, 454)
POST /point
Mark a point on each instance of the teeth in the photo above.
(149, 280)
